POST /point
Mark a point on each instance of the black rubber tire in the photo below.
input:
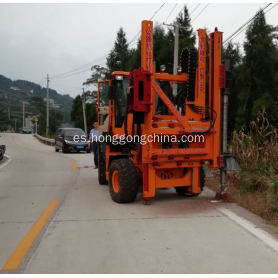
(101, 168)
(56, 150)
(183, 190)
(128, 181)
(88, 151)
(64, 149)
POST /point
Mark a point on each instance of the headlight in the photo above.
(162, 68)
(119, 77)
(67, 141)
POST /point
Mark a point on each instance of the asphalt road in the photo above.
(88, 233)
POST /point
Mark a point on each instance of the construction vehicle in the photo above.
(133, 110)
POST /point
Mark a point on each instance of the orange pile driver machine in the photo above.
(141, 104)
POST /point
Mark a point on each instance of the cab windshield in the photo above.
(121, 100)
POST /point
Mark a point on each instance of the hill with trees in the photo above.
(14, 92)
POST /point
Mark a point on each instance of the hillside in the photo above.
(14, 92)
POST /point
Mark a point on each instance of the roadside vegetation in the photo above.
(256, 185)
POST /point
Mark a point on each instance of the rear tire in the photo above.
(184, 190)
(123, 181)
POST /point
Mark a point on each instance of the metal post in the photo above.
(177, 28)
(225, 121)
(23, 114)
(15, 125)
(84, 111)
(176, 54)
(47, 106)
(223, 170)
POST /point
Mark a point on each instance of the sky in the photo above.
(41, 39)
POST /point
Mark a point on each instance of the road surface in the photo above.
(56, 218)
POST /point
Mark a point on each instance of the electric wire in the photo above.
(170, 13)
(196, 7)
(200, 13)
(244, 26)
(152, 17)
(85, 68)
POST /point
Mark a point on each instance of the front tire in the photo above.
(123, 181)
(64, 149)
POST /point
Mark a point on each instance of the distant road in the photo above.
(73, 226)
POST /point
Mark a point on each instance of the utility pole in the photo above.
(176, 54)
(23, 114)
(15, 125)
(9, 113)
(177, 28)
(47, 105)
(84, 110)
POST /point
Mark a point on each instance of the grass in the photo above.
(255, 187)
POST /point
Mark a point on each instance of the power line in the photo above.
(245, 25)
(170, 13)
(152, 17)
(62, 75)
(196, 7)
(200, 12)
(190, 13)
(85, 68)
(156, 12)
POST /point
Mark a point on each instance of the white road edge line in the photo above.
(7, 162)
(264, 236)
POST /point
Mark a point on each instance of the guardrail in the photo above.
(45, 140)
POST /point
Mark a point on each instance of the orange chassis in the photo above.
(159, 167)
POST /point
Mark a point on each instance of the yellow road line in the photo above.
(74, 165)
(15, 259)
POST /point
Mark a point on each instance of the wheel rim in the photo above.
(115, 181)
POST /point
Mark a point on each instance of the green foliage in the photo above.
(163, 48)
(231, 54)
(119, 55)
(134, 61)
(38, 106)
(123, 58)
(98, 73)
(254, 79)
(77, 113)
(187, 37)
(13, 93)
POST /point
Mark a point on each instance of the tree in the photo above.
(187, 37)
(77, 113)
(119, 55)
(98, 73)
(134, 60)
(259, 78)
(231, 55)
(38, 108)
(163, 48)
